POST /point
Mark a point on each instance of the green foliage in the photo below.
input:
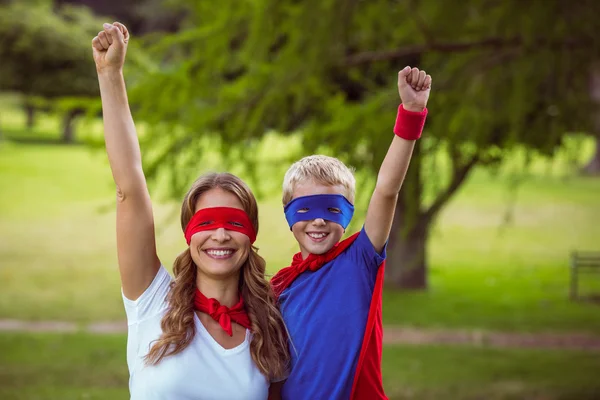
(505, 74)
(47, 53)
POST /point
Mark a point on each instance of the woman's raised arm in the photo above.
(136, 246)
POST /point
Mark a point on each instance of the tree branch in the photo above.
(420, 22)
(459, 174)
(493, 43)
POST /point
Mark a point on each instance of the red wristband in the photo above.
(409, 124)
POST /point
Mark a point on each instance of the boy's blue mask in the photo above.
(324, 206)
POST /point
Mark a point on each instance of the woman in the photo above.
(214, 331)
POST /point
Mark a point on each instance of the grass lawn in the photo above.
(78, 366)
(457, 373)
(63, 367)
(58, 258)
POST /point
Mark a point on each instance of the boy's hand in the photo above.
(110, 47)
(414, 87)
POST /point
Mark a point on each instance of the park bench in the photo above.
(583, 262)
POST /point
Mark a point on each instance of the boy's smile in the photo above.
(317, 236)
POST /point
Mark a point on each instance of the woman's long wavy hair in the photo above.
(269, 345)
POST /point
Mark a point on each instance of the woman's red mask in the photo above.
(231, 219)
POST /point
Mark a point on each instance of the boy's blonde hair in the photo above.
(320, 169)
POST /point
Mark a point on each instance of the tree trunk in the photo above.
(593, 167)
(406, 265)
(30, 113)
(68, 128)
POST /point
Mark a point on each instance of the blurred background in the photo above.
(503, 189)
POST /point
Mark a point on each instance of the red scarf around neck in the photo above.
(313, 262)
(367, 384)
(222, 314)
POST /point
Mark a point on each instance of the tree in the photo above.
(46, 55)
(140, 16)
(506, 74)
(593, 166)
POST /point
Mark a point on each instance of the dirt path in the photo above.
(392, 335)
(572, 341)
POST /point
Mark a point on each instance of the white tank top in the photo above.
(203, 371)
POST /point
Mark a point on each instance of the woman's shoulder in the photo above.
(152, 301)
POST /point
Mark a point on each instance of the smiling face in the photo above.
(316, 236)
(219, 253)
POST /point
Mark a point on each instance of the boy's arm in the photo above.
(414, 87)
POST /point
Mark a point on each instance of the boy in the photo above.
(330, 296)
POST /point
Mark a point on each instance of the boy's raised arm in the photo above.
(414, 87)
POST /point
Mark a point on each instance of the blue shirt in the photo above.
(326, 313)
